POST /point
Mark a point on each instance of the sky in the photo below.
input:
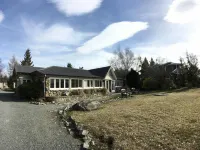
(87, 32)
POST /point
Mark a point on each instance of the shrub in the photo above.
(74, 92)
(104, 91)
(87, 91)
(31, 90)
(150, 84)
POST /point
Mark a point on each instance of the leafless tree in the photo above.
(123, 59)
(11, 65)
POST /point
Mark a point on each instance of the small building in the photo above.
(59, 79)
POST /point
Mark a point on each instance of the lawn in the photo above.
(148, 122)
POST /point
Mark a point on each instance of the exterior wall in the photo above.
(59, 91)
(21, 78)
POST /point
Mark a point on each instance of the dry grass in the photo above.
(149, 122)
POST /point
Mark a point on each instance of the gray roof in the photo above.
(101, 72)
(64, 71)
(26, 69)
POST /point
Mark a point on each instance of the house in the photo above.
(172, 68)
(59, 79)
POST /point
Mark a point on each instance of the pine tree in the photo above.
(144, 67)
(27, 59)
(69, 65)
(152, 62)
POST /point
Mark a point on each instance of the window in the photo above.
(52, 83)
(24, 81)
(91, 83)
(88, 83)
(66, 83)
(76, 83)
(80, 83)
(62, 83)
(98, 83)
(57, 83)
(28, 81)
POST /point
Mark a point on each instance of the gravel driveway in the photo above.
(25, 126)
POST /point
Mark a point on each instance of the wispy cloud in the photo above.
(1, 16)
(76, 7)
(183, 11)
(57, 33)
(112, 34)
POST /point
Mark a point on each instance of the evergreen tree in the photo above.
(152, 62)
(27, 59)
(144, 67)
(133, 79)
(69, 65)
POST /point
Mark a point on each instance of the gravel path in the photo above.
(25, 126)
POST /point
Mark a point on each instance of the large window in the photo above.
(59, 83)
(98, 83)
(76, 83)
(52, 83)
(66, 83)
(62, 83)
(89, 83)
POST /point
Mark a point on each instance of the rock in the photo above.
(86, 145)
(60, 112)
(86, 106)
(67, 124)
(93, 143)
(41, 103)
(53, 102)
(84, 132)
(67, 106)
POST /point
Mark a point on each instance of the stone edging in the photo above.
(76, 129)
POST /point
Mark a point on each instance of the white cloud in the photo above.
(57, 33)
(113, 34)
(183, 11)
(98, 59)
(76, 7)
(1, 16)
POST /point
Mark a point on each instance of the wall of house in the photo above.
(23, 78)
(60, 91)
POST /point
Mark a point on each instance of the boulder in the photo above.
(86, 106)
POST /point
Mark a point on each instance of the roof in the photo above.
(101, 72)
(64, 71)
(26, 69)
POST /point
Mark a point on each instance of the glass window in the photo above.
(91, 83)
(62, 83)
(52, 83)
(24, 81)
(74, 83)
(28, 81)
(66, 83)
(80, 83)
(57, 83)
(88, 83)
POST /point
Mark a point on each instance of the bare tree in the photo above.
(11, 65)
(1, 67)
(123, 59)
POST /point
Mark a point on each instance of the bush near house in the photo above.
(150, 84)
(31, 90)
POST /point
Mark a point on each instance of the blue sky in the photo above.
(86, 32)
